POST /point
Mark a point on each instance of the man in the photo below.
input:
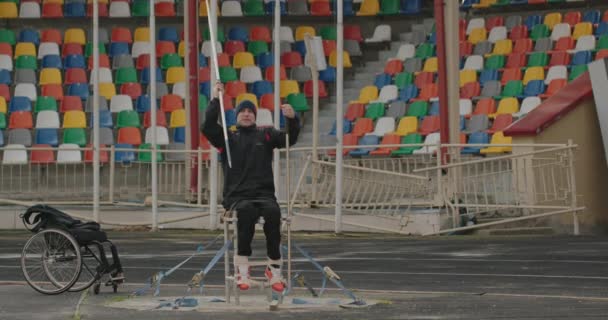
(249, 184)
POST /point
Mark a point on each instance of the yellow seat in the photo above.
(107, 90)
(142, 34)
(498, 138)
(484, 4)
(74, 119)
(3, 105)
(288, 87)
(243, 59)
(552, 19)
(50, 76)
(508, 105)
(8, 10)
(367, 94)
(181, 49)
(176, 74)
(75, 35)
(53, 1)
(25, 49)
(467, 76)
(478, 35)
(431, 65)
(503, 47)
(534, 73)
(178, 118)
(247, 96)
(333, 59)
(407, 125)
(582, 29)
(369, 8)
(301, 31)
(202, 10)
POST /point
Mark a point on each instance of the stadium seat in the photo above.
(409, 139)
(382, 33)
(388, 139)
(478, 137)
(48, 136)
(527, 105)
(120, 103)
(19, 103)
(129, 135)
(178, 118)
(49, 103)
(363, 126)
(533, 73)
(68, 103)
(556, 72)
(354, 110)
(14, 154)
(74, 119)
(517, 60)
(365, 141)
(29, 10)
(47, 119)
(498, 138)
(430, 144)
(75, 136)
(119, 9)
(171, 102)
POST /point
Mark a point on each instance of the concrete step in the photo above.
(517, 231)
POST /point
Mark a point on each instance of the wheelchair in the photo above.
(66, 254)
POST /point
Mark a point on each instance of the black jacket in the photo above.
(251, 150)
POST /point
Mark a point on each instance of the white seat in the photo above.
(29, 10)
(476, 23)
(206, 48)
(26, 90)
(68, 153)
(466, 107)
(529, 104)
(251, 74)
(286, 34)
(179, 89)
(231, 8)
(556, 72)
(406, 51)
(382, 33)
(105, 76)
(384, 125)
(585, 43)
(162, 136)
(14, 154)
(388, 93)
(561, 30)
(6, 62)
(430, 144)
(47, 119)
(139, 48)
(47, 49)
(264, 118)
(497, 33)
(474, 63)
(119, 9)
(120, 102)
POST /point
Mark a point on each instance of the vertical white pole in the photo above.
(95, 76)
(277, 98)
(339, 115)
(213, 185)
(190, 162)
(153, 115)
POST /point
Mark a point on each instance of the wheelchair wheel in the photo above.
(89, 270)
(50, 261)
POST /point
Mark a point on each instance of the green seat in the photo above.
(417, 109)
(254, 8)
(513, 88)
(404, 79)
(26, 62)
(389, 7)
(75, 135)
(375, 110)
(228, 74)
(203, 102)
(220, 35)
(2, 120)
(8, 36)
(602, 43)
(170, 60)
(328, 33)
(576, 71)
(425, 50)
(412, 138)
(145, 153)
(88, 49)
(500, 3)
(140, 8)
(126, 75)
(45, 103)
(539, 31)
(257, 47)
(298, 102)
(127, 118)
(538, 59)
(495, 62)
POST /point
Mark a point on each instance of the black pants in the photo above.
(248, 214)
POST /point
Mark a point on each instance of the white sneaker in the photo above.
(242, 278)
(275, 279)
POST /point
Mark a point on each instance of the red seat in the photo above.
(269, 73)
(104, 61)
(71, 48)
(170, 102)
(233, 46)
(52, 10)
(5, 93)
(164, 47)
(143, 61)
(121, 34)
(363, 126)
(51, 35)
(228, 102)
(52, 90)
(223, 60)
(387, 139)
(603, 53)
(42, 156)
(70, 103)
(133, 90)
(309, 86)
(353, 32)
(103, 154)
(260, 33)
(516, 60)
(495, 21)
(501, 122)
(393, 67)
(485, 106)
(75, 75)
(424, 78)
(428, 91)
(354, 111)
(466, 48)
(523, 45)
(204, 74)
(328, 47)
(129, 135)
(519, 32)
(164, 9)
(6, 49)
(320, 8)
(554, 87)
(291, 59)
(564, 44)
(572, 18)
(560, 58)
(510, 74)
(102, 9)
(21, 119)
(349, 142)
(267, 101)
(470, 90)
(429, 125)
(161, 119)
(605, 16)
(235, 88)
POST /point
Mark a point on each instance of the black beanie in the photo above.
(246, 104)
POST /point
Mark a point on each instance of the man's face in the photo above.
(245, 118)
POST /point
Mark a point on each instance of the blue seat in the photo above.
(434, 109)
(52, 61)
(74, 9)
(5, 77)
(168, 34)
(601, 29)
(265, 60)
(478, 137)
(408, 93)
(124, 156)
(238, 34)
(347, 127)
(145, 75)
(75, 61)
(29, 35)
(202, 60)
(105, 119)
(300, 46)
(179, 134)
(269, 8)
(366, 140)
(410, 6)
(20, 104)
(142, 104)
(581, 57)
(261, 87)
(518, 2)
(534, 88)
(382, 80)
(118, 48)
(204, 87)
(592, 16)
(533, 20)
(488, 75)
(230, 117)
(328, 75)
(47, 136)
(80, 90)
(347, 8)
(468, 4)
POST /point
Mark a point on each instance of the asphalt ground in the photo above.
(455, 277)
